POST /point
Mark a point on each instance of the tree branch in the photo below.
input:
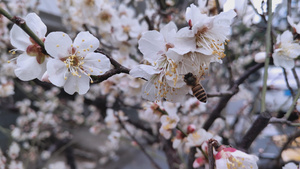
(224, 99)
(118, 68)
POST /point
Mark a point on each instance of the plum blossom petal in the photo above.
(18, 38)
(151, 45)
(57, 44)
(75, 84)
(144, 71)
(85, 42)
(56, 71)
(24, 70)
(295, 26)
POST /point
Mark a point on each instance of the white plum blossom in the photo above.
(2, 160)
(232, 158)
(106, 17)
(286, 50)
(260, 57)
(197, 138)
(15, 165)
(209, 33)
(58, 164)
(126, 28)
(14, 150)
(32, 62)
(295, 26)
(168, 122)
(290, 165)
(74, 63)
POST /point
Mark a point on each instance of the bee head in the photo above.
(190, 79)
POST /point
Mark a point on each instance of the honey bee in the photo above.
(198, 91)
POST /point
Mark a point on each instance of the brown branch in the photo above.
(258, 125)
(224, 99)
(118, 68)
(211, 159)
(296, 77)
(149, 22)
(281, 121)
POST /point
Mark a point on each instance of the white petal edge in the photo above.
(35, 23)
(144, 71)
(28, 68)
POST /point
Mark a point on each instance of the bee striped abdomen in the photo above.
(199, 93)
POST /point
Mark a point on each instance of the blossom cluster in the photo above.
(172, 53)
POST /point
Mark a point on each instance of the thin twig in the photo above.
(287, 82)
(292, 107)
(118, 68)
(296, 77)
(275, 120)
(255, 10)
(295, 99)
(138, 143)
(224, 99)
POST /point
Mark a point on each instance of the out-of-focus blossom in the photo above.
(15, 165)
(290, 165)
(292, 23)
(58, 164)
(197, 138)
(2, 160)
(6, 87)
(286, 50)
(260, 57)
(114, 137)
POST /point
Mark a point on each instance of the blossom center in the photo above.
(204, 41)
(126, 29)
(90, 2)
(105, 16)
(75, 64)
